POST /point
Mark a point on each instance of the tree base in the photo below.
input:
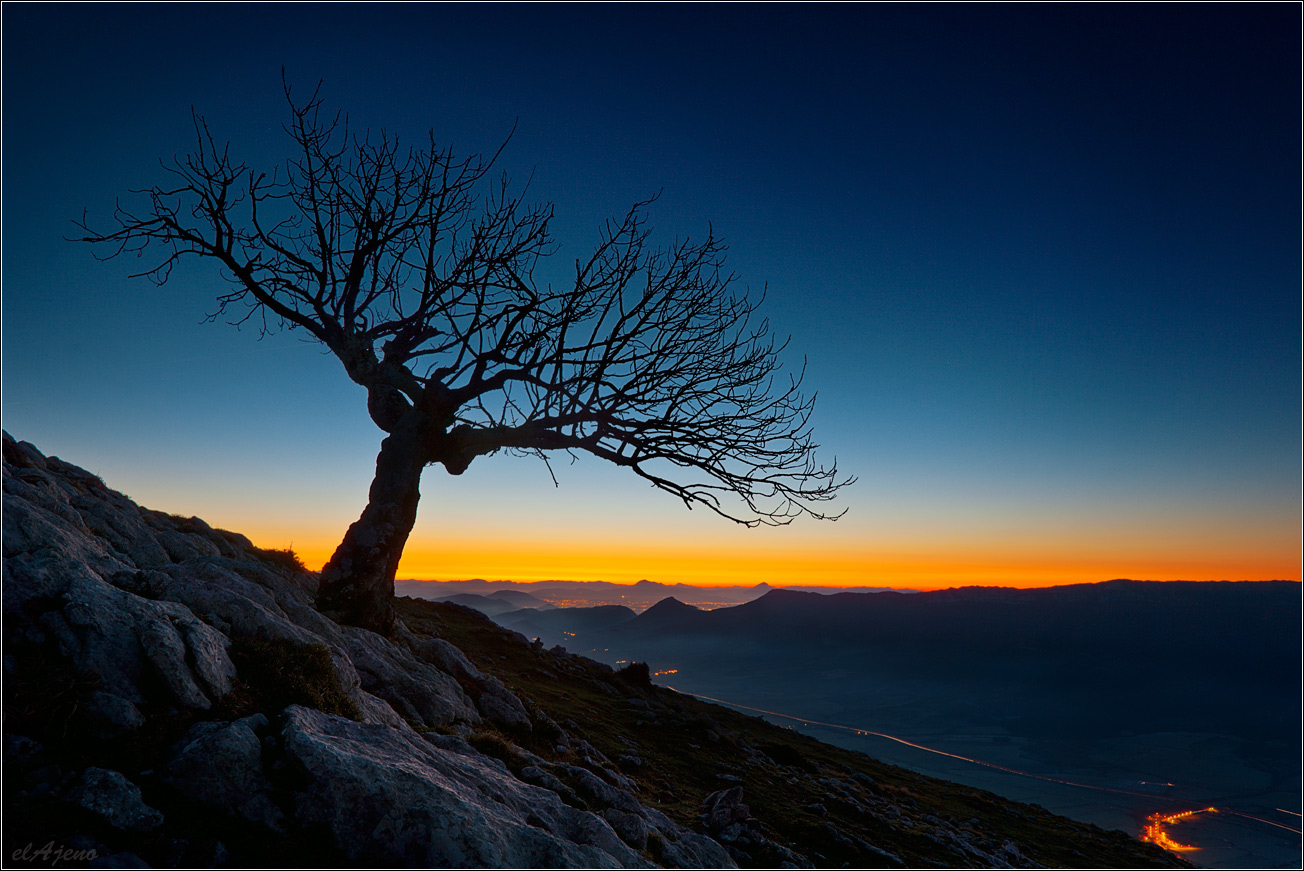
(349, 606)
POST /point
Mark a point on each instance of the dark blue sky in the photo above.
(1043, 261)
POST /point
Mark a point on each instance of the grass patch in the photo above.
(636, 674)
(284, 560)
(272, 674)
(783, 753)
(495, 745)
(43, 695)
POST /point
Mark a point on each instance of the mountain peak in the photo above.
(671, 605)
(667, 615)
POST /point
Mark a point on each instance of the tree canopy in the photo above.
(419, 271)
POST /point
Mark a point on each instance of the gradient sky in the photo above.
(1043, 264)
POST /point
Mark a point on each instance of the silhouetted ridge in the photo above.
(667, 616)
(470, 600)
(488, 605)
(670, 605)
(807, 612)
(1082, 641)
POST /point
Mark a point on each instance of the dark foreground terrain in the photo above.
(1104, 702)
(172, 698)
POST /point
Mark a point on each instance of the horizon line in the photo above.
(887, 587)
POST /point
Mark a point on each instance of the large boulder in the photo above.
(113, 798)
(421, 693)
(60, 559)
(220, 765)
(723, 809)
(141, 611)
(495, 702)
(137, 600)
(128, 642)
(390, 797)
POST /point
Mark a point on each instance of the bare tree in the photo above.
(417, 270)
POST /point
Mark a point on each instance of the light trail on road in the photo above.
(1153, 832)
(857, 731)
(1262, 820)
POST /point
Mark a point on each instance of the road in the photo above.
(1155, 829)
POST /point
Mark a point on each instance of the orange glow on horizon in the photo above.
(813, 565)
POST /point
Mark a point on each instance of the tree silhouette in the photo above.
(417, 270)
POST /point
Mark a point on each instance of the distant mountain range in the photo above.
(637, 596)
(1118, 654)
(491, 605)
(1075, 663)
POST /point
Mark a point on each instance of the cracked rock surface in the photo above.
(139, 617)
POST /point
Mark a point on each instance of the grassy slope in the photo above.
(806, 795)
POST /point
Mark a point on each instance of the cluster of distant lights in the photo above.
(1155, 833)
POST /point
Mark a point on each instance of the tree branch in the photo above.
(417, 270)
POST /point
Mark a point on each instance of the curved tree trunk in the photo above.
(357, 584)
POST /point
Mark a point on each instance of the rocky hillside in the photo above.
(172, 698)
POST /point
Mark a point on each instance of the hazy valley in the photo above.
(1108, 702)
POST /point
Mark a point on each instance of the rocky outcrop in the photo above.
(424, 695)
(135, 597)
(728, 819)
(392, 797)
(494, 701)
(113, 798)
(220, 765)
(142, 617)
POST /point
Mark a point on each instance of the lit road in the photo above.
(1155, 830)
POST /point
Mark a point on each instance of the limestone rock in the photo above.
(126, 640)
(447, 658)
(390, 797)
(220, 765)
(108, 716)
(148, 605)
(597, 790)
(416, 690)
(114, 799)
(539, 777)
(21, 752)
(680, 847)
(167, 653)
(724, 808)
(500, 705)
(631, 828)
(495, 702)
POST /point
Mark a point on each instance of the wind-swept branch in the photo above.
(417, 270)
